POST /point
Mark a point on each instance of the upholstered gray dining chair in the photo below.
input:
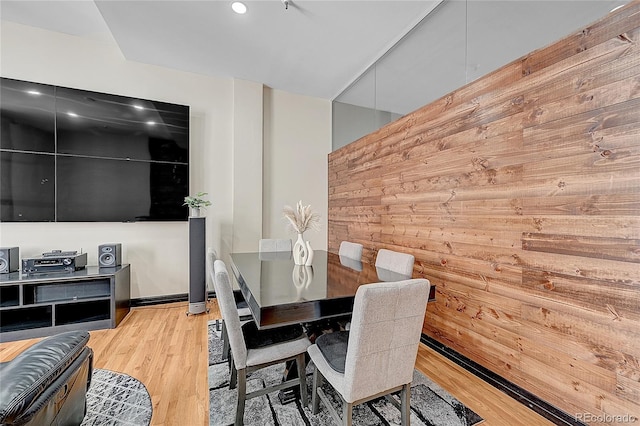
(351, 255)
(243, 309)
(377, 356)
(351, 250)
(393, 265)
(246, 359)
(274, 245)
(274, 248)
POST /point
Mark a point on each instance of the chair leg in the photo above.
(405, 407)
(242, 394)
(225, 342)
(347, 411)
(301, 363)
(315, 399)
(234, 375)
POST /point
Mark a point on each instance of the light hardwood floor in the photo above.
(167, 350)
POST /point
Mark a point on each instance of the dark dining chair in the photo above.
(262, 350)
(377, 356)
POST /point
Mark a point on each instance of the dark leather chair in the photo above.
(47, 383)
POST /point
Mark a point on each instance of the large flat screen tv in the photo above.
(70, 155)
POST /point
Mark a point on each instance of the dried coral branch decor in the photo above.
(301, 219)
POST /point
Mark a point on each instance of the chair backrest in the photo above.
(274, 244)
(350, 250)
(386, 326)
(227, 304)
(400, 263)
(212, 256)
(350, 263)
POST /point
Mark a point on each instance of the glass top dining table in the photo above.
(279, 292)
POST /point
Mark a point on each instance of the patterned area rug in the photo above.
(430, 404)
(116, 399)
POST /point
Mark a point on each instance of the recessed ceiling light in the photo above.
(138, 107)
(238, 7)
(72, 114)
(34, 92)
(151, 123)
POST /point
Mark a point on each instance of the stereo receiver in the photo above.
(55, 261)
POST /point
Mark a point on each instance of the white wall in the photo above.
(247, 163)
(297, 134)
(157, 252)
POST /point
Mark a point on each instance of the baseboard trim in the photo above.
(158, 300)
(521, 395)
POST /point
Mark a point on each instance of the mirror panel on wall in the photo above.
(457, 43)
(427, 64)
(360, 116)
(534, 24)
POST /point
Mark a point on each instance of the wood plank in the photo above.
(597, 330)
(590, 100)
(614, 25)
(575, 266)
(607, 117)
(628, 388)
(602, 141)
(615, 227)
(621, 249)
(621, 299)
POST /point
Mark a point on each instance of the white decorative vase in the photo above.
(309, 255)
(302, 277)
(300, 251)
(195, 211)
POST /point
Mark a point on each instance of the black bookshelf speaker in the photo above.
(109, 255)
(197, 267)
(9, 259)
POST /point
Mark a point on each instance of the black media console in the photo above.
(44, 304)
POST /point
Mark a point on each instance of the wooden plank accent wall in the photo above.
(519, 195)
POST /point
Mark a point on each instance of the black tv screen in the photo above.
(72, 155)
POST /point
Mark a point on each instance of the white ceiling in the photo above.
(312, 48)
(315, 47)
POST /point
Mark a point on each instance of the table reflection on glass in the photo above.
(281, 293)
